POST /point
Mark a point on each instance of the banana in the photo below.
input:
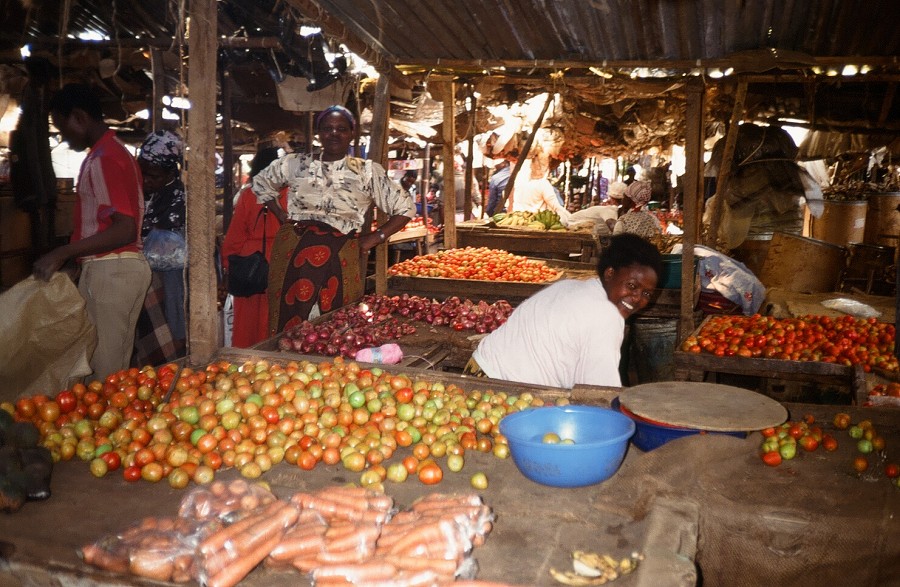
(572, 578)
(591, 568)
(497, 218)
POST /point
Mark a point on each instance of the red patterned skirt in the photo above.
(313, 264)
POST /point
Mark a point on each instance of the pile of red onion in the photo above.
(374, 321)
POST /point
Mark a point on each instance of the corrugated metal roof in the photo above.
(511, 49)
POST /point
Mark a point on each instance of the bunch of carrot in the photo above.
(336, 526)
(225, 501)
(425, 545)
(157, 548)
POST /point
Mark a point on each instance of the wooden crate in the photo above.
(570, 244)
(693, 366)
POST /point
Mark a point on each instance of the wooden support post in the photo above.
(470, 155)
(449, 177)
(200, 184)
(158, 71)
(524, 154)
(227, 150)
(693, 196)
(378, 154)
(727, 165)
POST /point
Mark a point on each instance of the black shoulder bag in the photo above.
(249, 275)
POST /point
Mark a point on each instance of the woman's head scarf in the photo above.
(617, 190)
(340, 110)
(639, 192)
(163, 149)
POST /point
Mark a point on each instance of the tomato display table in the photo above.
(700, 366)
(578, 245)
(490, 291)
(650, 506)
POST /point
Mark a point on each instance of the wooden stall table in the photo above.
(418, 235)
(627, 513)
(576, 245)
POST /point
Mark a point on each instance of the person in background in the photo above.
(602, 187)
(637, 220)
(161, 331)
(496, 186)
(459, 182)
(106, 240)
(244, 237)
(534, 192)
(317, 254)
(408, 182)
(571, 332)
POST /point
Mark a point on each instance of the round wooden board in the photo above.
(704, 406)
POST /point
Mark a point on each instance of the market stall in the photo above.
(651, 507)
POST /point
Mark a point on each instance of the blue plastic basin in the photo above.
(600, 438)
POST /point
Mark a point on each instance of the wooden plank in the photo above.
(200, 185)
(693, 198)
(524, 154)
(449, 174)
(378, 154)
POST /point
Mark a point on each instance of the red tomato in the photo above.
(772, 458)
(808, 443)
(860, 464)
(66, 401)
(113, 460)
(430, 473)
(829, 443)
(891, 470)
(132, 473)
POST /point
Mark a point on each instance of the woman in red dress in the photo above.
(244, 237)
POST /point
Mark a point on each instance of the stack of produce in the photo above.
(845, 340)
(543, 220)
(256, 415)
(374, 321)
(340, 535)
(481, 263)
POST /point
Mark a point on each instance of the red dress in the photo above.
(244, 237)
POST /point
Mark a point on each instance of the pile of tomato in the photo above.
(480, 263)
(785, 442)
(845, 340)
(255, 415)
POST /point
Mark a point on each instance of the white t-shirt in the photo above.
(566, 334)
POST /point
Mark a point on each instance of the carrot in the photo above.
(363, 538)
(102, 558)
(424, 578)
(153, 564)
(361, 573)
(305, 564)
(241, 567)
(288, 549)
(439, 566)
(218, 539)
(427, 534)
(277, 523)
(342, 556)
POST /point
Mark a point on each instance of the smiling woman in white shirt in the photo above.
(571, 332)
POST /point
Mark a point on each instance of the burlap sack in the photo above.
(807, 522)
(46, 337)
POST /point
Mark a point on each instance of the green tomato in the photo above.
(99, 468)
(356, 399)
(455, 462)
(550, 438)
(479, 481)
(397, 473)
(856, 432)
(788, 451)
(864, 446)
